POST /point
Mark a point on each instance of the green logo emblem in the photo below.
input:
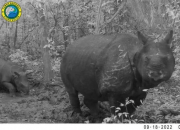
(11, 11)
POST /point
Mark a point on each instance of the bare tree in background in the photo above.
(45, 50)
(98, 17)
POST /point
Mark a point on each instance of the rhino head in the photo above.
(21, 82)
(155, 61)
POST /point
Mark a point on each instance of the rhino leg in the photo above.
(137, 102)
(11, 88)
(73, 97)
(74, 100)
(113, 104)
(73, 94)
(92, 105)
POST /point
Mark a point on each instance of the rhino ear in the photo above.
(16, 75)
(168, 37)
(141, 37)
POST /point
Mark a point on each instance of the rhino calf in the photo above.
(115, 68)
(13, 79)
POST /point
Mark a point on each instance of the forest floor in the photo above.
(50, 104)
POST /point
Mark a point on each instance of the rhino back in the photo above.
(117, 76)
(93, 64)
(5, 71)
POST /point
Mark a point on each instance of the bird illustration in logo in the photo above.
(11, 11)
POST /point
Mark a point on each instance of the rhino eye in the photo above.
(146, 59)
(168, 56)
(163, 66)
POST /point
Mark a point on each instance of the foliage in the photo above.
(18, 56)
(122, 117)
(56, 64)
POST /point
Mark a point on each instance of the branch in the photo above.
(29, 31)
(32, 5)
(51, 11)
(98, 17)
(1, 24)
(119, 9)
(54, 17)
(35, 9)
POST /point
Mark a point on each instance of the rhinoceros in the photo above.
(13, 78)
(116, 68)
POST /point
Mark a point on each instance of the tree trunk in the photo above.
(44, 29)
(7, 37)
(98, 18)
(65, 24)
(1, 24)
(15, 35)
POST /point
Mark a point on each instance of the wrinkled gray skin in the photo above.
(114, 68)
(13, 78)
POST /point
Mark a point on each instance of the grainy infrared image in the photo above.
(90, 61)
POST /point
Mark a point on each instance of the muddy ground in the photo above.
(50, 104)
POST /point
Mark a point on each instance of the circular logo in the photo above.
(11, 11)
